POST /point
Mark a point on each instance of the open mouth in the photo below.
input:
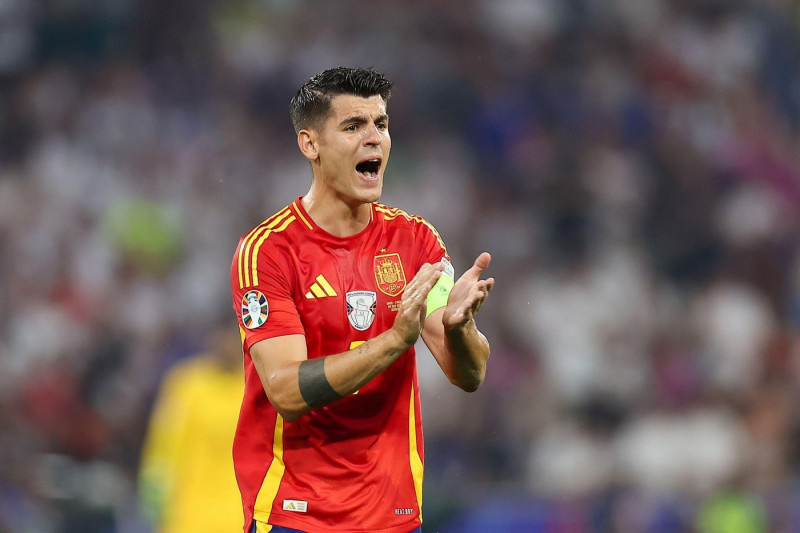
(369, 168)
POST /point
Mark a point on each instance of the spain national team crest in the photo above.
(255, 309)
(361, 308)
(389, 274)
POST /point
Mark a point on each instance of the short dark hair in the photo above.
(312, 103)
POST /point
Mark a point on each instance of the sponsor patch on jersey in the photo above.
(298, 506)
(361, 308)
(255, 309)
(389, 274)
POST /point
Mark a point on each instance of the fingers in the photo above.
(481, 263)
(473, 298)
(484, 287)
(408, 322)
(418, 288)
(469, 293)
(479, 294)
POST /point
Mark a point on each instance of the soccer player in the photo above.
(332, 292)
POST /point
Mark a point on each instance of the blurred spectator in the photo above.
(187, 463)
(732, 513)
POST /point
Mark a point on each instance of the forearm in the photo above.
(298, 388)
(347, 372)
(467, 351)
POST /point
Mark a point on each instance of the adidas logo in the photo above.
(320, 289)
(298, 506)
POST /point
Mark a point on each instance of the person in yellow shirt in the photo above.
(186, 479)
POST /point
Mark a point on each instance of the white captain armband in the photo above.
(437, 297)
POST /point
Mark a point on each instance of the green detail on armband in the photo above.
(437, 297)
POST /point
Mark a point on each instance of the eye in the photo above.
(383, 126)
(351, 127)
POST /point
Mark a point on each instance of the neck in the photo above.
(336, 216)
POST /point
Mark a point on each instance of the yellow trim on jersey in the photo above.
(247, 243)
(417, 468)
(272, 481)
(390, 213)
(277, 451)
(257, 247)
(251, 274)
(243, 335)
(300, 214)
(261, 527)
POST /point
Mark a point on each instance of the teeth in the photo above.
(366, 168)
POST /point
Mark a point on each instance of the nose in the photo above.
(372, 135)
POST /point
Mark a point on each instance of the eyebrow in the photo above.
(361, 119)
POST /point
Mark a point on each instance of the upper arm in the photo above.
(433, 251)
(276, 360)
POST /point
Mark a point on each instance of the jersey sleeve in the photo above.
(435, 251)
(432, 246)
(262, 298)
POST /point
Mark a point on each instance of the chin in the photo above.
(376, 194)
(362, 197)
(372, 197)
(371, 194)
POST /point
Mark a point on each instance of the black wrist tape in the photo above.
(314, 386)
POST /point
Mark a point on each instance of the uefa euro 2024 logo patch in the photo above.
(361, 308)
(255, 309)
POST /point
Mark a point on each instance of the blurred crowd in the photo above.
(632, 165)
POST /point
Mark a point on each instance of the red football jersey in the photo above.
(355, 465)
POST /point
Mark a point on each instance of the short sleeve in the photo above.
(262, 299)
(433, 248)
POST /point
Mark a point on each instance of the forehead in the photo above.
(344, 106)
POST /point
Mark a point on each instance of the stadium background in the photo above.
(633, 166)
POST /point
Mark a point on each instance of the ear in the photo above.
(308, 141)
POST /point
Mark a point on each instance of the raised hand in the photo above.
(411, 314)
(468, 294)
